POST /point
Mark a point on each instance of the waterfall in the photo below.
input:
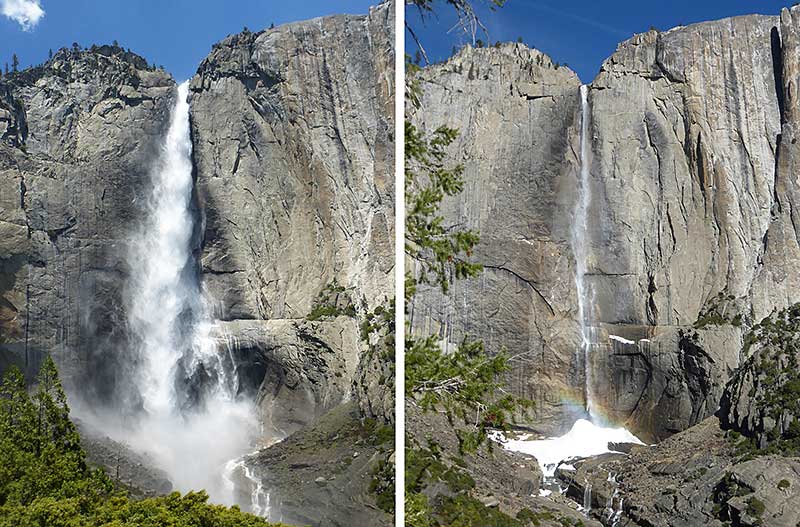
(580, 249)
(587, 498)
(164, 289)
(592, 436)
(192, 422)
(259, 498)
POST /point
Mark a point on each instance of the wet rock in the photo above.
(133, 471)
(296, 370)
(663, 379)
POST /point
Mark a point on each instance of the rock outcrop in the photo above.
(324, 476)
(697, 477)
(78, 134)
(762, 400)
(691, 197)
(296, 369)
(499, 479)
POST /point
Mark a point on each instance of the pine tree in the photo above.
(50, 53)
(14, 63)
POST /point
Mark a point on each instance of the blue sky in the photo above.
(177, 34)
(580, 33)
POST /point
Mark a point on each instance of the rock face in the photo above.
(297, 369)
(513, 108)
(691, 196)
(295, 164)
(661, 379)
(292, 132)
(77, 135)
(295, 168)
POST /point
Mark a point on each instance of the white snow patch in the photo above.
(583, 440)
(621, 339)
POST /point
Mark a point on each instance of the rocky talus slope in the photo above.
(698, 477)
(692, 238)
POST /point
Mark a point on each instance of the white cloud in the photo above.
(26, 13)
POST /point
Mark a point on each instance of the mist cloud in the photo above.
(26, 13)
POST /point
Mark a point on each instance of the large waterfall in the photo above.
(191, 422)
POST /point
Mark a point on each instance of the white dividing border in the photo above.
(399, 266)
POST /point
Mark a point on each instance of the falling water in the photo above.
(192, 422)
(580, 249)
(587, 498)
(259, 497)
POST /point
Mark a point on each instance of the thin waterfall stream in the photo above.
(591, 435)
(579, 241)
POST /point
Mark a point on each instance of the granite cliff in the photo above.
(691, 239)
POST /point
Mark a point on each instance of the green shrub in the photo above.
(755, 507)
(333, 301)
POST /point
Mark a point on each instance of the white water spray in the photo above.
(193, 422)
(580, 249)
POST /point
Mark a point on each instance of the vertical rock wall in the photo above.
(292, 131)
